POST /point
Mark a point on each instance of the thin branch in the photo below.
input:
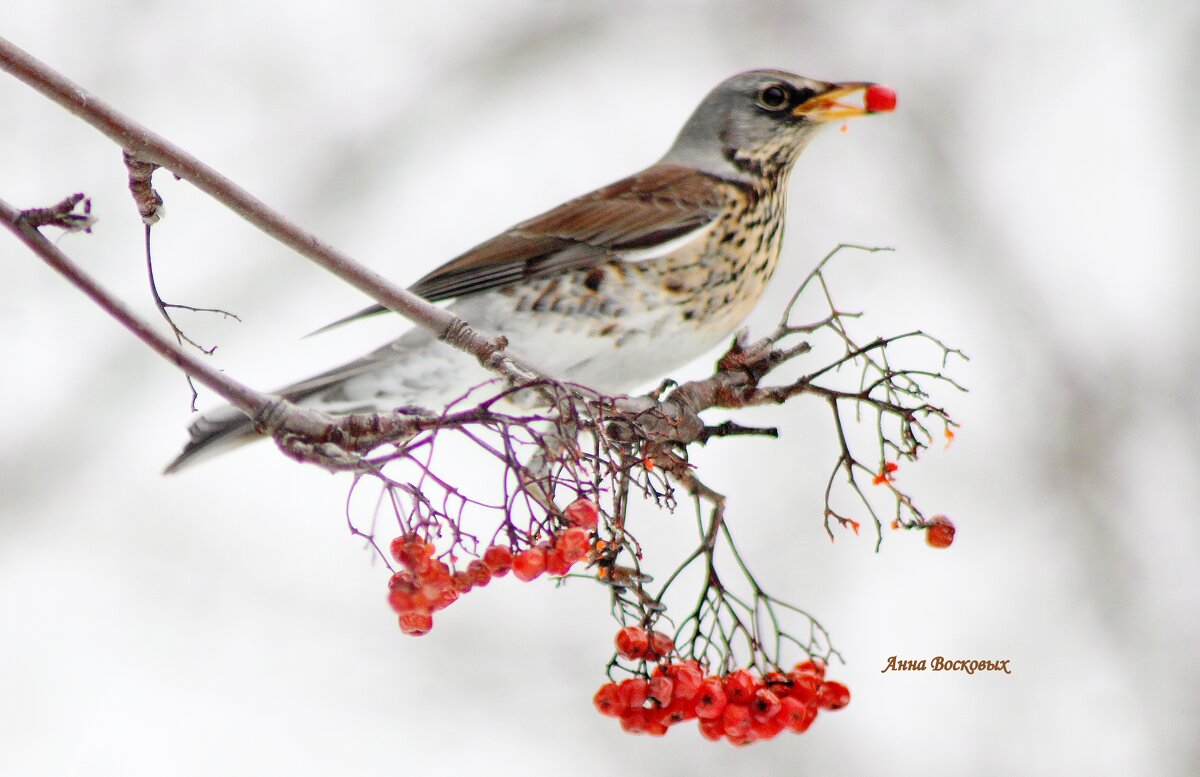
(164, 307)
(151, 149)
(241, 396)
(308, 435)
(149, 202)
(62, 215)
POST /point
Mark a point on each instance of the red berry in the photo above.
(498, 560)
(479, 573)
(766, 729)
(804, 687)
(461, 582)
(679, 709)
(583, 513)
(773, 679)
(556, 562)
(643, 721)
(740, 686)
(633, 693)
(446, 597)
(411, 551)
(737, 719)
(765, 705)
(879, 98)
(687, 677)
(436, 576)
(940, 533)
(653, 726)
(710, 699)
(401, 600)
(416, 624)
(607, 701)
(399, 547)
(421, 601)
(634, 720)
(793, 713)
(529, 564)
(632, 642)
(660, 645)
(712, 729)
(833, 696)
(815, 667)
(742, 740)
(660, 688)
(432, 592)
(810, 714)
(574, 544)
(403, 581)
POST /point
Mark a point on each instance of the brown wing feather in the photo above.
(643, 210)
(648, 208)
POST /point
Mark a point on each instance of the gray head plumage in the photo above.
(751, 119)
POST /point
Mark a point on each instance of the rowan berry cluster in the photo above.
(636, 644)
(426, 584)
(740, 707)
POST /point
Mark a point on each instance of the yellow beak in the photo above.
(828, 105)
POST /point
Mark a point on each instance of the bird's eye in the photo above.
(773, 97)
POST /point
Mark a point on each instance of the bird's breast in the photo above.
(619, 324)
(719, 281)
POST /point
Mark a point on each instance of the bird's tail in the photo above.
(214, 432)
(431, 372)
(227, 427)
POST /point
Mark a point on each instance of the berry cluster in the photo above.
(739, 707)
(635, 644)
(426, 584)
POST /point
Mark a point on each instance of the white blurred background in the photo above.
(1036, 181)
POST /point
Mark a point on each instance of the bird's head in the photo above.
(757, 122)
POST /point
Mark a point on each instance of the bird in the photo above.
(612, 289)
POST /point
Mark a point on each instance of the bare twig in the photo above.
(164, 309)
(333, 442)
(62, 215)
(151, 149)
(243, 397)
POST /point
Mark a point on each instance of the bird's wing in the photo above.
(660, 204)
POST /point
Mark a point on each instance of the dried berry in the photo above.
(940, 533)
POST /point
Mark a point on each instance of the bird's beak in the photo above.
(828, 106)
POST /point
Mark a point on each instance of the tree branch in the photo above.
(149, 148)
(334, 442)
(238, 394)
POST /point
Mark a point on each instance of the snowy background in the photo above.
(1037, 182)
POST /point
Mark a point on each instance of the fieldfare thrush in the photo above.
(615, 288)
